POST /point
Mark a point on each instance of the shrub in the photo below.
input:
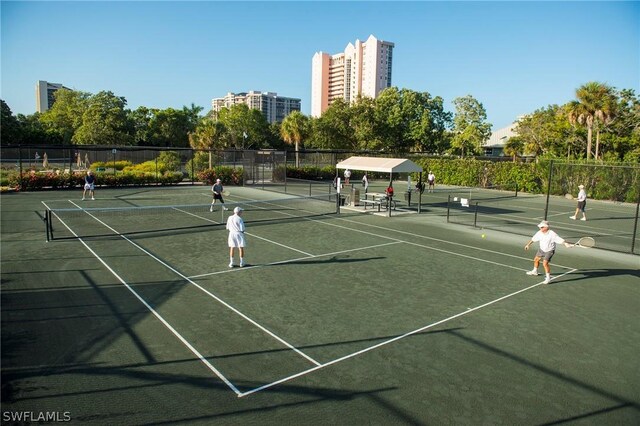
(228, 175)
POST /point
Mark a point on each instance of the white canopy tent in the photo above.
(378, 164)
(382, 165)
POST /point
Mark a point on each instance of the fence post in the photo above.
(546, 205)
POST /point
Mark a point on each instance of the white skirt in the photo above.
(236, 239)
(89, 186)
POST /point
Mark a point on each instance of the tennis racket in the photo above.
(226, 193)
(568, 196)
(585, 242)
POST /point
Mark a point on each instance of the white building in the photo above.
(362, 69)
(44, 94)
(494, 146)
(273, 107)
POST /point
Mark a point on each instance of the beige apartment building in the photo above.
(273, 107)
(362, 69)
(45, 94)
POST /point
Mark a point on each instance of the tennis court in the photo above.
(343, 318)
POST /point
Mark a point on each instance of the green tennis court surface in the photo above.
(337, 319)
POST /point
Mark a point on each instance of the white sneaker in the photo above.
(93, 198)
(547, 280)
(572, 217)
(532, 272)
(231, 265)
(211, 209)
(584, 218)
(82, 198)
(242, 264)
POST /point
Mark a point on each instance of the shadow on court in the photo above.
(584, 274)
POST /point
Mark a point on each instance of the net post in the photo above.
(546, 204)
(516, 189)
(475, 216)
(46, 223)
(448, 206)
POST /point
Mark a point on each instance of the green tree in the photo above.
(593, 98)
(209, 134)
(470, 126)
(105, 122)
(514, 147)
(65, 117)
(170, 127)
(10, 131)
(245, 128)
(295, 128)
(546, 132)
(332, 130)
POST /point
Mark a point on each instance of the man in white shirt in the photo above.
(431, 179)
(235, 226)
(347, 176)
(547, 240)
(582, 203)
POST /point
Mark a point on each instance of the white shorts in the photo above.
(236, 239)
(89, 186)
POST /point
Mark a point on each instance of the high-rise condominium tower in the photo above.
(44, 94)
(273, 107)
(363, 69)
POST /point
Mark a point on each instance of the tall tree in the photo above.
(10, 132)
(470, 126)
(295, 128)
(514, 147)
(245, 128)
(592, 98)
(65, 117)
(105, 122)
(332, 130)
(208, 135)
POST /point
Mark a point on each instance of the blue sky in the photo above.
(514, 57)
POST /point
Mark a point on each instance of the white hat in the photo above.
(543, 224)
(238, 209)
(218, 180)
(580, 186)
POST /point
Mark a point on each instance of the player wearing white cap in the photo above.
(547, 240)
(582, 203)
(235, 226)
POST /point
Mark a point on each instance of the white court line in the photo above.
(386, 342)
(155, 313)
(250, 234)
(441, 241)
(180, 274)
(280, 262)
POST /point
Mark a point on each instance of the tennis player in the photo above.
(235, 226)
(582, 203)
(547, 240)
(431, 179)
(365, 183)
(217, 189)
(89, 185)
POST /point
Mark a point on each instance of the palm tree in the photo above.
(513, 147)
(592, 99)
(294, 128)
(605, 114)
(207, 135)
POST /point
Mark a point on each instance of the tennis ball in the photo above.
(484, 236)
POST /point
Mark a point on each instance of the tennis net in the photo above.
(67, 223)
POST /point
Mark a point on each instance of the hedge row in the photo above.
(35, 181)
